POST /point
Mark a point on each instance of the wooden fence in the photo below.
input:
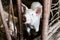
(45, 18)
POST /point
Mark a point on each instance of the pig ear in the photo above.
(38, 10)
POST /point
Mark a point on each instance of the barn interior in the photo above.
(28, 4)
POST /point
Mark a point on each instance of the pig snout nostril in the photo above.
(24, 19)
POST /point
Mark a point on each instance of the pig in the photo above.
(11, 26)
(12, 31)
(32, 17)
(5, 15)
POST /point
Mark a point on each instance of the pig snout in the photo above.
(26, 20)
(23, 19)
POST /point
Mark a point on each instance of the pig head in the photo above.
(32, 17)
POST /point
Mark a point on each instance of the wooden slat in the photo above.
(19, 19)
(47, 6)
(4, 22)
(56, 27)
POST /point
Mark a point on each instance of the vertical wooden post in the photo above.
(4, 22)
(59, 7)
(46, 13)
(11, 10)
(59, 2)
(19, 19)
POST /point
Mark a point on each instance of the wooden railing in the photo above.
(45, 26)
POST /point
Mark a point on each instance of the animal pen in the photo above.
(50, 22)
